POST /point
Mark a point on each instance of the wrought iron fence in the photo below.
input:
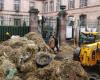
(48, 28)
(21, 31)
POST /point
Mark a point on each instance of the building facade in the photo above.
(14, 12)
(84, 13)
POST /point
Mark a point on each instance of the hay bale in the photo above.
(50, 72)
(16, 42)
(30, 76)
(8, 68)
(30, 47)
(66, 48)
(61, 70)
(16, 78)
(37, 38)
(1, 74)
(72, 70)
(5, 50)
(25, 60)
(14, 48)
(6, 64)
(27, 67)
(10, 53)
(15, 55)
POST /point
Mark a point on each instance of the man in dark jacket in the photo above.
(56, 43)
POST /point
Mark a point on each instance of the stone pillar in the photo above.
(33, 19)
(98, 26)
(62, 27)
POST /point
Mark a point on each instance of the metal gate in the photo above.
(49, 27)
(14, 25)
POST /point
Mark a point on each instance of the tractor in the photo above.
(89, 51)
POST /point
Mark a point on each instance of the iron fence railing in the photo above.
(14, 25)
(21, 31)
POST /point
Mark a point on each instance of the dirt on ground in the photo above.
(30, 58)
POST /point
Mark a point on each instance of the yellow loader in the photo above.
(89, 51)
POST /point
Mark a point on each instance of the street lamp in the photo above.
(62, 7)
(62, 12)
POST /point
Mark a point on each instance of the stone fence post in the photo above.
(33, 20)
(62, 27)
(98, 25)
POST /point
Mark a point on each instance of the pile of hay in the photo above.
(37, 38)
(66, 48)
(17, 61)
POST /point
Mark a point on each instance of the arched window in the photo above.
(98, 26)
(17, 5)
(71, 4)
(1, 4)
(51, 6)
(46, 7)
(58, 3)
(83, 3)
(83, 19)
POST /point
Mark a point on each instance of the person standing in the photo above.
(56, 43)
(7, 35)
(51, 42)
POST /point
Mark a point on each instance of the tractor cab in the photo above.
(89, 37)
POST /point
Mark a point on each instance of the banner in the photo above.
(68, 32)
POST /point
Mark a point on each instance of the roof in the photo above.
(94, 33)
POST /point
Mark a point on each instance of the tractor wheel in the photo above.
(76, 54)
(42, 59)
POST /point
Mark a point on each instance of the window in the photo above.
(17, 5)
(83, 20)
(1, 20)
(83, 3)
(58, 5)
(1, 4)
(46, 7)
(98, 24)
(32, 4)
(17, 22)
(70, 21)
(71, 4)
(51, 6)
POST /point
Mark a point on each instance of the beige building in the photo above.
(83, 12)
(14, 12)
